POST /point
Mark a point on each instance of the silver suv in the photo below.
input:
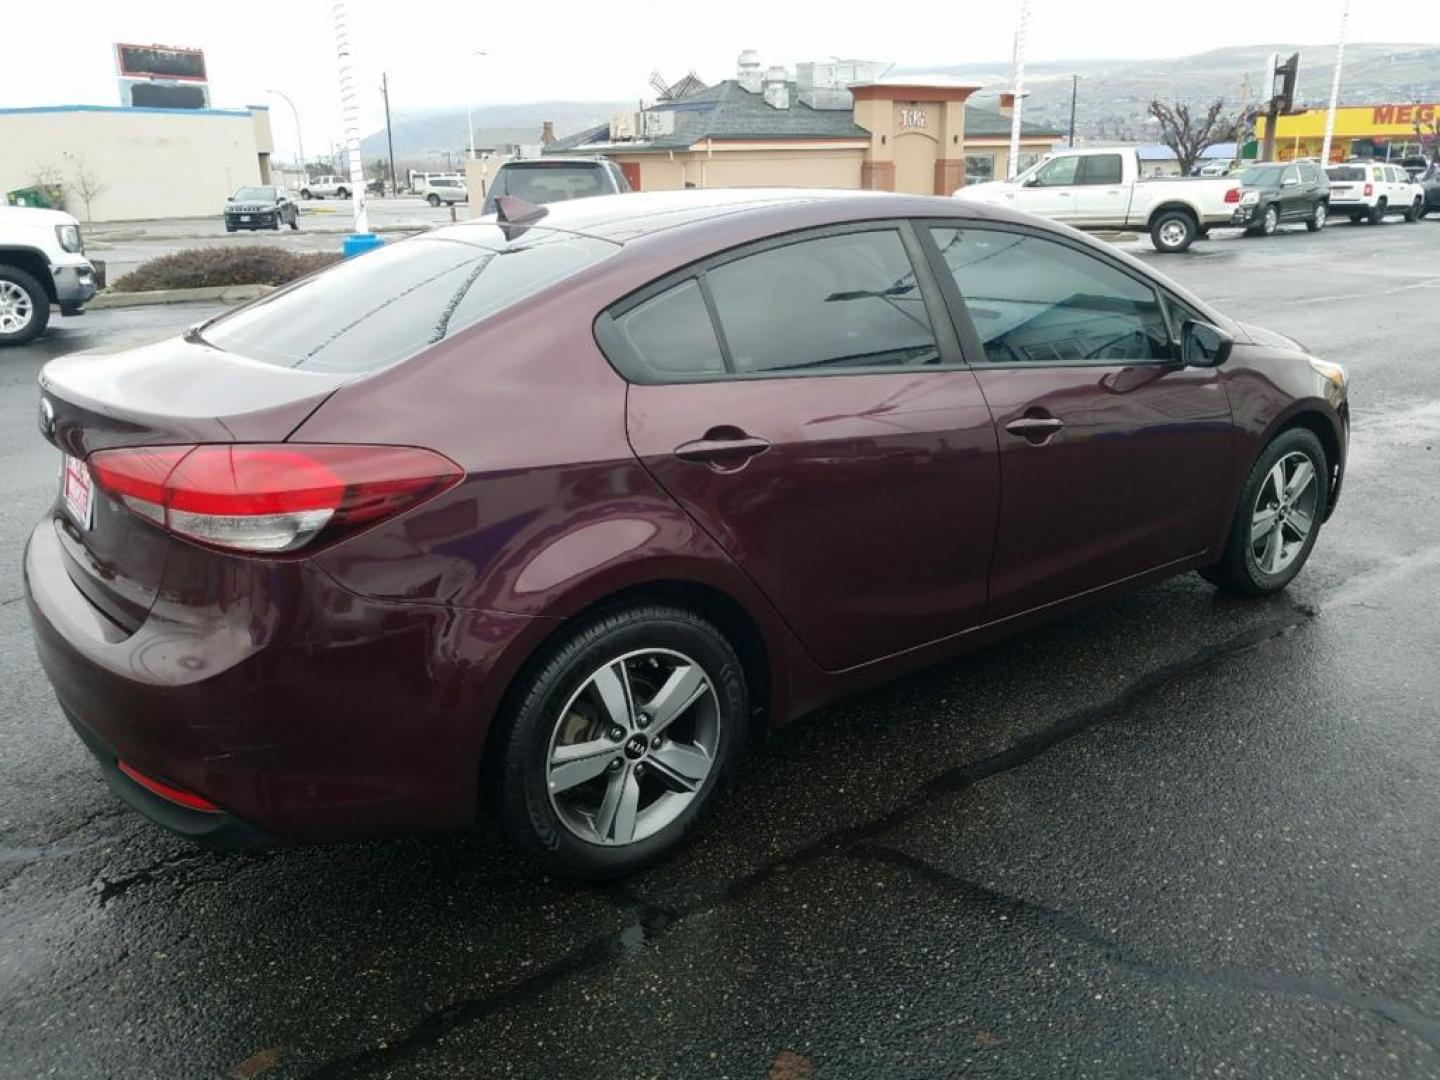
(325, 186)
(555, 180)
(443, 189)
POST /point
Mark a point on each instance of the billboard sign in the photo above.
(160, 62)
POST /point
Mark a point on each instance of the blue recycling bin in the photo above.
(359, 243)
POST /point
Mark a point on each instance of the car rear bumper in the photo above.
(300, 710)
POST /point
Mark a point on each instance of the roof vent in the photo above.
(749, 71)
(777, 87)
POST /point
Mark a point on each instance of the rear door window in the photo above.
(382, 307)
(834, 303)
(672, 335)
(1101, 169)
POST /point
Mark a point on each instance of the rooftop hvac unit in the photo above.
(656, 122)
(622, 126)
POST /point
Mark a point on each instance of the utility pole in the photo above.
(389, 138)
(1074, 87)
(1019, 88)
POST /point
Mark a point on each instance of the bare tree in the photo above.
(1188, 136)
(49, 179)
(88, 184)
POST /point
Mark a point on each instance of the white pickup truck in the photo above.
(42, 262)
(326, 187)
(1104, 189)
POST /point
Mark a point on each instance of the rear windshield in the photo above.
(381, 307)
(551, 183)
(1346, 172)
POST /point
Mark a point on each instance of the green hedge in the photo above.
(198, 267)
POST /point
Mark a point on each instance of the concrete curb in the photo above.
(226, 294)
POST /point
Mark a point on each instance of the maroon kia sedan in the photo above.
(542, 512)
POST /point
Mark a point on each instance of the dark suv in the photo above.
(541, 182)
(1274, 193)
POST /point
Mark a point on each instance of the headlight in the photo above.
(69, 237)
(1333, 373)
(1249, 198)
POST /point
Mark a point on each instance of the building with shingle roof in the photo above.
(834, 124)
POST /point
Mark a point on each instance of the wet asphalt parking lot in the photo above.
(1174, 835)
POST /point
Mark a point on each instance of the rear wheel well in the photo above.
(34, 264)
(1166, 208)
(726, 614)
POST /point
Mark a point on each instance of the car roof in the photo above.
(633, 215)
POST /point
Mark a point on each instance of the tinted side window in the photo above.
(1037, 301)
(672, 334)
(846, 301)
(1310, 173)
(1101, 169)
(389, 304)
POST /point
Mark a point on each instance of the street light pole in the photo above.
(299, 136)
(389, 138)
(362, 239)
(1074, 87)
(1019, 89)
(1335, 84)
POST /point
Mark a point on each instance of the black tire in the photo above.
(1415, 211)
(1238, 571)
(342, 193)
(295, 220)
(1356, 219)
(1270, 220)
(279, 220)
(517, 769)
(1173, 231)
(1377, 213)
(433, 199)
(39, 305)
(305, 193)
(229, 228)
(1316, 221)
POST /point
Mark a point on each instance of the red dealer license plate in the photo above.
(77, 491)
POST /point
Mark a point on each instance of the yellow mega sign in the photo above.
(1355, 121)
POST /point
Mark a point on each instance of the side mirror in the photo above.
(1204, 345)
(1034, 181)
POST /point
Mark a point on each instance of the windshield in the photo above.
(251, 194)
(1346, 172)
(550, 183)
(1262, 176)
(369, 312)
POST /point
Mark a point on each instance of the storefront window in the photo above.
(979, 168)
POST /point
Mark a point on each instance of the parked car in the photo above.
(42, 262)
(540, 513)
(1105, 189)
(1274, 193)
(1431, 187)
(323, 187)
(443, 189)
(260, 207)
(1368, 191)
(549, 180)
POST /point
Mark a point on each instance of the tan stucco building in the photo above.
(149, 163)
(914, 134)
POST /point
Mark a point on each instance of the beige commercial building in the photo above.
(143, 163)
(838, 124)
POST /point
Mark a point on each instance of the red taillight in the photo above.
(179, 796)
(271, 498)
(1233, 195)
(1369, 190)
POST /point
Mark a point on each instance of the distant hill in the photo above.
(423, 135)
(1110, 103)
(1113, 94)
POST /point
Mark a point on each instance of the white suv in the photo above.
(1368, 190)
(442, 189)
(42, 262)
(324, 186)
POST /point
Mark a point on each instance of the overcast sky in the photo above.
(55, 54)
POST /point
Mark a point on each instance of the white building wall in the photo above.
(152, 163)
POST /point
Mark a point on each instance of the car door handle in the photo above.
(724, 448)
(1035, 429)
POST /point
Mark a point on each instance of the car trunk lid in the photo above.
(175, 392)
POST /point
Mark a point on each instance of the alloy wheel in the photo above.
(1173, 234)
(1271, 221)
(1319, 217)
(1284, 513)
(633, 746)
(16, 308)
